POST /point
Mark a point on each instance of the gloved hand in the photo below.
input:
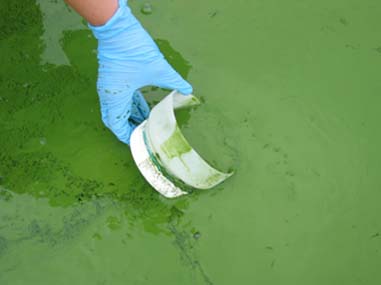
(128, 60)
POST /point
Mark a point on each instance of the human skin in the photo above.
(96, 12)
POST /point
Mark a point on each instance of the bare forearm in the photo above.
(96, 12)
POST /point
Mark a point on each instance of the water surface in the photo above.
(290, 93)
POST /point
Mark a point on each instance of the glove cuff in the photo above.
(121, 20)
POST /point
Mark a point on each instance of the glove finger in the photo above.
(104, 112)
(140, 109)
(116, 108)
(166, 77)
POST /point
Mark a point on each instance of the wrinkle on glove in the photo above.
(128, 60)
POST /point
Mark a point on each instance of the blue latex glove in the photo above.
(128, 60)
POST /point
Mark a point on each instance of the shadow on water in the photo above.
(44, 129)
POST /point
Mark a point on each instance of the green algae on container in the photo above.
(176, 145)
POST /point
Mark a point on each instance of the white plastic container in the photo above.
(164, 156)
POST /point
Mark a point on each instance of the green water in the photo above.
(291, 102)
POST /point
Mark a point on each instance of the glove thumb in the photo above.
(166, 77)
